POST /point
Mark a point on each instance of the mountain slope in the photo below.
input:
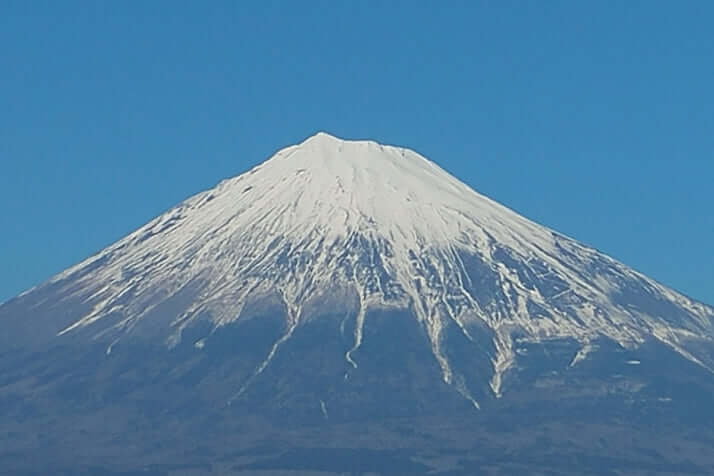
(348, 307)
(362, 226)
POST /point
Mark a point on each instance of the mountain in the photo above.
(347, 288)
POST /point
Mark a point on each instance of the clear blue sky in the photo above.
(595, 118)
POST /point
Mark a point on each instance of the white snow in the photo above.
(382, 221)
(582, 354)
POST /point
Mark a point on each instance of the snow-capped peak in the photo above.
(373, 226)
(323, 136)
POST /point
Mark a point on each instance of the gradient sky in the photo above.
(594, 118)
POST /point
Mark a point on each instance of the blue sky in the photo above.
(594, 118)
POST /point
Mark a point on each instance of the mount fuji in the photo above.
(347, 306)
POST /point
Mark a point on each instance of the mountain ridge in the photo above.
(383, 227)
(346, 307)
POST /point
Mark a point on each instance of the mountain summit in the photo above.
(369, 226)
(344, 279)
